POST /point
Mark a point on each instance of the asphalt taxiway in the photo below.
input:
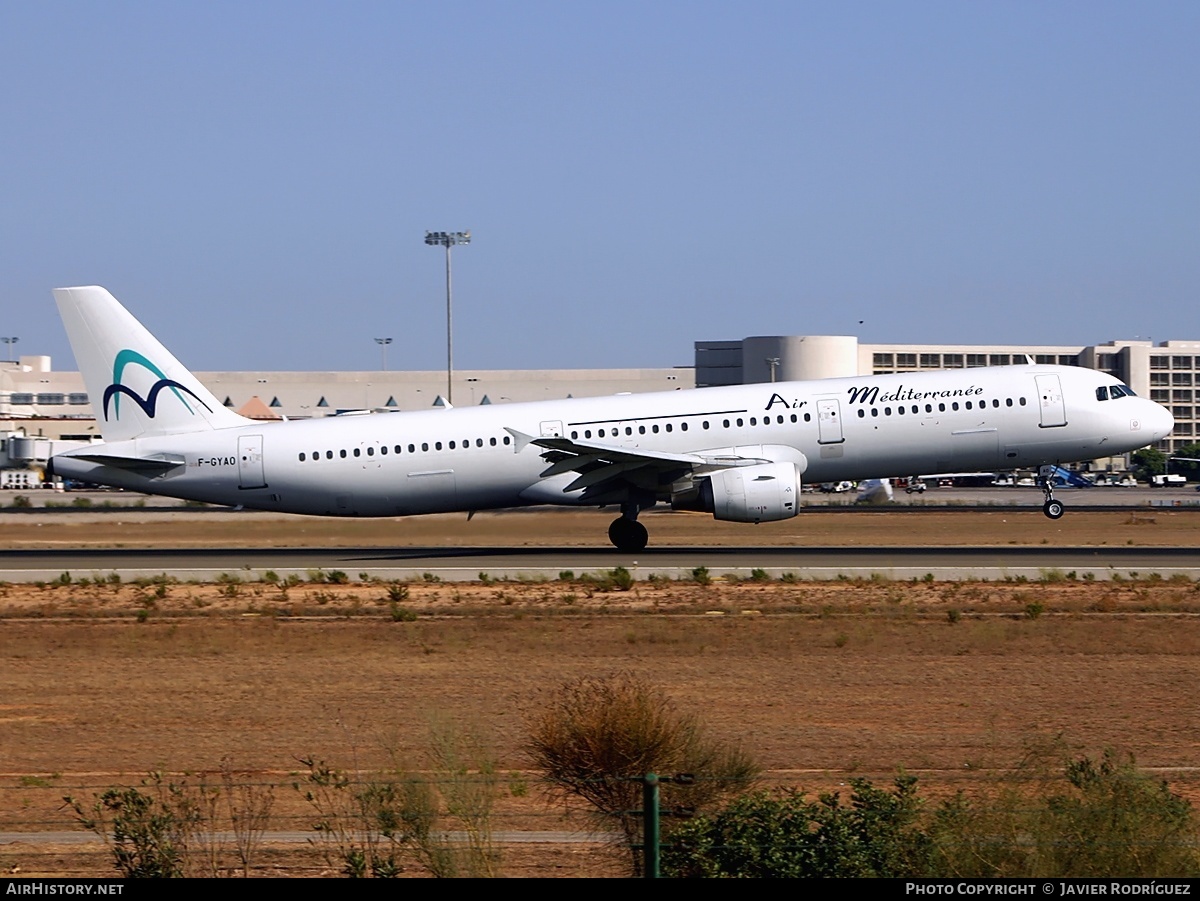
(466, 564)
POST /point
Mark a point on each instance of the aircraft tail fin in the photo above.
(136, 387)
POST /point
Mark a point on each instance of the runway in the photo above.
(466, 564)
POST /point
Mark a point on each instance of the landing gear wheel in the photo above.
(628, 534)
(1052, 508)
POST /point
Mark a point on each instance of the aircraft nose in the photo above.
(1160, 421)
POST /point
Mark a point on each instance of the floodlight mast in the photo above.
(448, 240)
(383, 343)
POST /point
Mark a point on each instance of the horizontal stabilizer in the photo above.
(142, 465)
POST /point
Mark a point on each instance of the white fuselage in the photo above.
(474, 459)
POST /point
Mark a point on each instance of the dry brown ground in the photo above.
(1139, 526)
(819, 681)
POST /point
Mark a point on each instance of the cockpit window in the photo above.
(1102, 393)
(1115, 391)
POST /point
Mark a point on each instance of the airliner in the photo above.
(739, 453)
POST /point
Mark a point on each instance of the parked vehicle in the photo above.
(836, 487)
(1167, 480)
(1113, 481)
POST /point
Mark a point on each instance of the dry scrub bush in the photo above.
(468, 780)
(181, 828)
(595, 737)
(376, 824)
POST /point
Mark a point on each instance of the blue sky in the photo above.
(254, 179)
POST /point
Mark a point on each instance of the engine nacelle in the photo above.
(763, 493)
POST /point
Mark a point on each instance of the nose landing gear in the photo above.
(626, 533)
(1053, 509)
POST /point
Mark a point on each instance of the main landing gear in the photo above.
(1052, 508)
(626, 533)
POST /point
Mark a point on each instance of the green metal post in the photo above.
(650, 827)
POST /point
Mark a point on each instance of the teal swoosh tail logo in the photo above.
(116, 389)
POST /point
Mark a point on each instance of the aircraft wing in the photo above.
(602, 467)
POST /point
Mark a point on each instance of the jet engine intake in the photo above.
(763, 493)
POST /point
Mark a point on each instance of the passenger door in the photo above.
(250, 462)
(829, 421)
(1050, 398)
